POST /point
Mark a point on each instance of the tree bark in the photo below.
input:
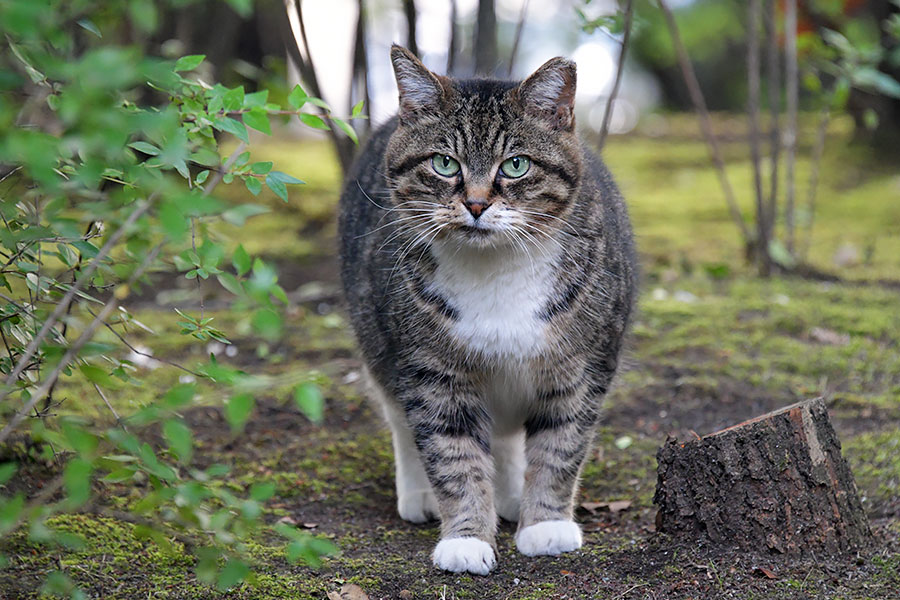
(777, 483)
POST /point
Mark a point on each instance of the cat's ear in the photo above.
(420, 89)
(549, 93)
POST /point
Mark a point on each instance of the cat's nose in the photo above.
(475, 206)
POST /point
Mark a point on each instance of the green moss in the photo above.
(875, 460)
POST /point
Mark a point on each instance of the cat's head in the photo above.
(483, 162)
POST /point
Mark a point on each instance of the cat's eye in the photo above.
(515, 166)
(445, 165)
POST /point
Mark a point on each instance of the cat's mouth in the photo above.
(475, 230)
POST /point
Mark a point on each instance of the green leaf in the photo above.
(77, 481)
(254, 185)
(239, 214)
(256, 99)
(189, 63)
(357, 109)
(178, 435)
(96, 375)
(314, 121)
(241, 260)
(262, 167)
(345, 127)
(258, 119)
(233, 99)
(277, 187)
(174, 222)
(230, 283)
(145, 147)
(238, 409)
(9, 512)
(232, 126)
(179, 396)
(262, 491)
(90, 26)
(267, 323)
(234, 572)
(309, 401)
(284, 177)
(242, 7)
(297, 97)
(7, 470)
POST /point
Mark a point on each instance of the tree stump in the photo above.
(776, 482)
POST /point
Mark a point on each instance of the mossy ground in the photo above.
(711, 345)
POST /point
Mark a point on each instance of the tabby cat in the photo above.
(489, 268)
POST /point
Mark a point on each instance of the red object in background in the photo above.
(808, 20)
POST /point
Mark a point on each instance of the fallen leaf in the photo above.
(829, 337)
(763, 572)
(288, 520)
(351, 591)
(613, 507)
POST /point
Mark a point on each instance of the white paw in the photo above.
(465, 554)
(508, 508)
(549, 537)
(418, 506)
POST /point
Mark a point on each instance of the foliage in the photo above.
(109, 158)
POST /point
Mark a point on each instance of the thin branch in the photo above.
(134, 349)
(72, 352)
(359, 74)
(520, 26)
(753, 93)
(791, 81)
(773, 80)
(119, 421)
(63, 304)
(816, 161)
(604, 130)
(690, 79)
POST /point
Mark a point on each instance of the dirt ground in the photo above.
(706, 351)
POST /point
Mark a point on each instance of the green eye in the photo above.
(515, 166)
(445, 165)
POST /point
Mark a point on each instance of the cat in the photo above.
(489, 269)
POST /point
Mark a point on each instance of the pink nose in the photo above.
(476, 206)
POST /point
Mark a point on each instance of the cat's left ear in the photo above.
(550, 93)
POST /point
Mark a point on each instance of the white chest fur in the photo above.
(498, 293)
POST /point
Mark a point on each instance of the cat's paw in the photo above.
(549, 537)
(465, 554)
(508, 507)
(417, 506)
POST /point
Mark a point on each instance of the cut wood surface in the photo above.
(774, 483)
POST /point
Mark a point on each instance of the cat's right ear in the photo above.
(420, 89)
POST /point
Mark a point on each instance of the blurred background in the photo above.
(756, 145)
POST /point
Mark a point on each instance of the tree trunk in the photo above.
(486, 39)
(777, 482)
(409, 11)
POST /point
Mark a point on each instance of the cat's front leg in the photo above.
(558, 437)
(452, 431)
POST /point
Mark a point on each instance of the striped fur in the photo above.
(490, 342)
